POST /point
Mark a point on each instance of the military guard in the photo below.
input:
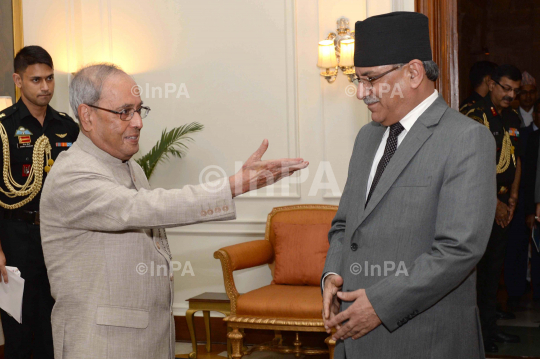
(479, 78)
(495, 113)
(32, 135)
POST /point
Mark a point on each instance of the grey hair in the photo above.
(431, 68)
(87, 84)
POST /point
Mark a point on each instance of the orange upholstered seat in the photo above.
(281, 301)
(294, 247)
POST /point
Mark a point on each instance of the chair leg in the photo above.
(229, 347)
(206, 314)
(278, 338)
(297, 346)
(189, 320)
(331, 343)
(236, 338)
(244, 348)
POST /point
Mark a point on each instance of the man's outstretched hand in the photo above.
(256, 173)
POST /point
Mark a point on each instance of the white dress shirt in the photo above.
(527, 116)
(407, 122)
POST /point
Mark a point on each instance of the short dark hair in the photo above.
(479, 70)
(31, 55)
(509, 71)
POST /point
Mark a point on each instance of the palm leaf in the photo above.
(172, 143)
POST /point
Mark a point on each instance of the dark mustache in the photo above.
(508, 98)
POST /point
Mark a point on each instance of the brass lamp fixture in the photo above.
(337, 51)
(5, 102)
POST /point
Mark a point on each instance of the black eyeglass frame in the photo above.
(505, 89)
(130, 113)
(370, 80)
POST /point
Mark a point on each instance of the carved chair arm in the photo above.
(241, 256)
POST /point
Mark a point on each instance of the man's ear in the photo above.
(487, 80)
(17, 79)
(416, 73)
(85, 117)
(491, 85)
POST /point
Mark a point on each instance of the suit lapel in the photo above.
(373, 141)
(414, 140)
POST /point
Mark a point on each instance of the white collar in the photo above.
(526, 112)
(408, 121)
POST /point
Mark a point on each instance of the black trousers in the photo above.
(487, 281)
(517, 255)
(21, 243)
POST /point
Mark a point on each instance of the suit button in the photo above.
(157, 244)
(354, 247)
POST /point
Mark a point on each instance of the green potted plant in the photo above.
(172, 143)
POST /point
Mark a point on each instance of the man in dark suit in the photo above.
(517, 250)
(419, 202)
(529, 179)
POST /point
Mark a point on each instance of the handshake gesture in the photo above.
(256, 173)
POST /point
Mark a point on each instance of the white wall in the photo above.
(249, 68)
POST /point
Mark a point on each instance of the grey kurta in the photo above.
(431, 213)
(101, 226)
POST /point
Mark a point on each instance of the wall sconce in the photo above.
(5, 102)
(337, 51)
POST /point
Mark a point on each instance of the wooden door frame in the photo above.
(18, 37)
(443, 32)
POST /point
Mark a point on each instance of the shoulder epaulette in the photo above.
(8, 112)
(62, 115)
(475, 113)
(469, 104)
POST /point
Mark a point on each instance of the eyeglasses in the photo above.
(508, 89)
(368, 83)
(126, 115)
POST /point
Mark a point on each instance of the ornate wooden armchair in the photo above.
(280, 305)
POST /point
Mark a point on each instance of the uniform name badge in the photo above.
(25, 141)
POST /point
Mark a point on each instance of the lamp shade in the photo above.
(327, 54)
(5, 102)
(347, 53)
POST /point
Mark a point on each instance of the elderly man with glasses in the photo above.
(103, 226)
(495, 113)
